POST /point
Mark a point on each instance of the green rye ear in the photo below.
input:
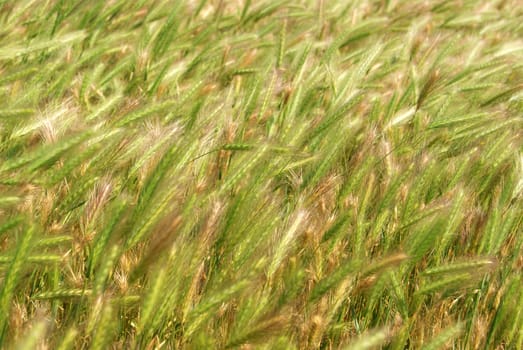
(270, 174)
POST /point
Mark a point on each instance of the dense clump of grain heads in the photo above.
(263, 174)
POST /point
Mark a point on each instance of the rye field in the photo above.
(261, 174)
